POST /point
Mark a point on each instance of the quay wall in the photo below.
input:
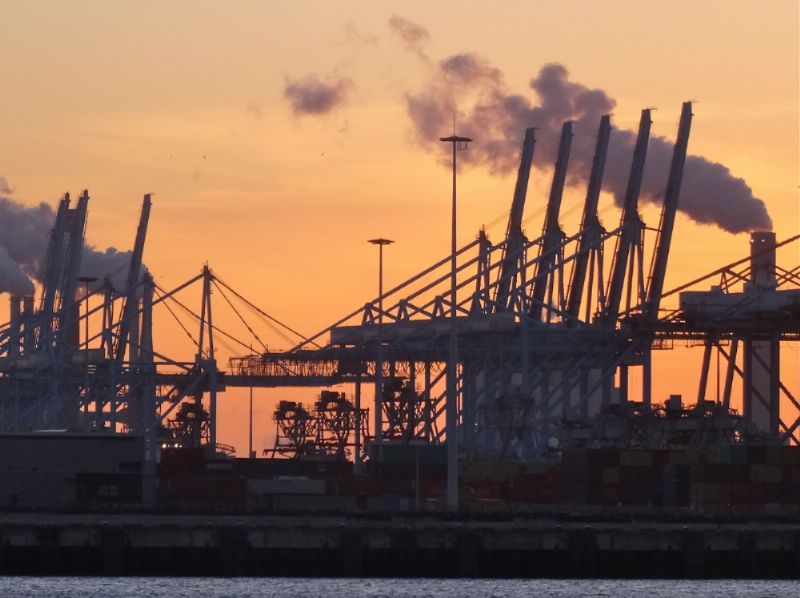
(181, 545)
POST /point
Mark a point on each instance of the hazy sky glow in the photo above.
(276, 136)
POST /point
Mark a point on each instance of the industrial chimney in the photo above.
(761, 394)
(762, 262)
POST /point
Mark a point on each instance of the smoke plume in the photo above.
(414, 36)
(5, 188)
(12, 278)
(355, 36)
(23, 239)
(109, 263)
(497, 118)
(24, 234)
(312, 96)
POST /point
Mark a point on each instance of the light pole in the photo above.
(380, 242)
(451, 407)
(250, 453)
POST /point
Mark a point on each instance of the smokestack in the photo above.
(762, 353)
(762, 262)
(14, 339)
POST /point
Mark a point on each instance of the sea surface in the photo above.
(202, 587)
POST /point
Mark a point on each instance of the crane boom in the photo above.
(76, 227)
(631, 222)
(514, 237)
(551, 238)
(659, 266)
(54, 257)
(590, 225)
(132, 281)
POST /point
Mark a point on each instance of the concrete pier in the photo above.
(568, 547)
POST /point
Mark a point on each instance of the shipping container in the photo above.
(397, 452)
(636, 458)
(770, 474)
(108, 488)
(285, 485)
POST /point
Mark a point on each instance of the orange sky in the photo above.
(186, 100)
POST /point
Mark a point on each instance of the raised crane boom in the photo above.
(52, 272)
(515, 240)
(76, 228)
(55, 257)
(659, 267)
(631, 224)
(130, 308)
(552, 235)
(590, 225)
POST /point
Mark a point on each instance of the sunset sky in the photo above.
(276, 137)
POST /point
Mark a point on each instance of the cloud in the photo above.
(468, 87)
(312, 96)
(12, 279)
(255, 109)
(5, 188)
(108, 263)
(354, 35)
(24, 234)
(24, 231)
(414, 36)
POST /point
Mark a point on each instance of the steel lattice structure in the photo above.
(548, 331)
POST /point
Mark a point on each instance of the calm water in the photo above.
(144, 587)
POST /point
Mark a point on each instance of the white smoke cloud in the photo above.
(23, 237)
(12, 279)
(109, 263)
(24, 234)
(468, 86)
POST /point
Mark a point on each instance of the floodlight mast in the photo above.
(451, 407)
(381, 243)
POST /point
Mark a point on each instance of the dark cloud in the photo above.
(469, 88)
(470, 70)
(312, 96)
(5, 188)
(414, 36)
